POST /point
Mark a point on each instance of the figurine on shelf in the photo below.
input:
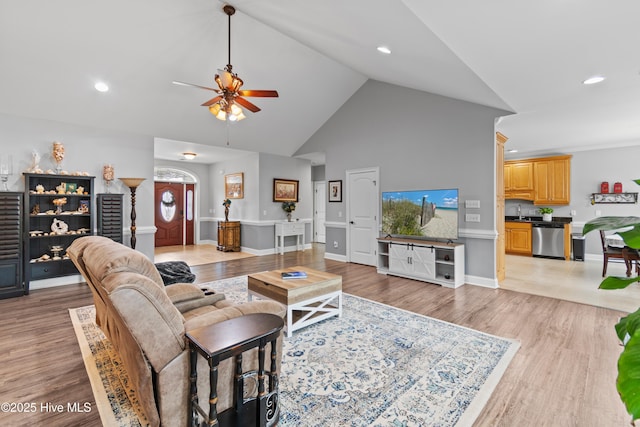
(59, 203)
(40, 189)
(108, 175)
(62, 188)
(35, 162)
(59, 227)
(58, 155)
(36, 209)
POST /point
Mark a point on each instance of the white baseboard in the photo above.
(56, 281)
(335, 257)
(484, 282)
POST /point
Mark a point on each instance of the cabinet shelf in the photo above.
(78, 214)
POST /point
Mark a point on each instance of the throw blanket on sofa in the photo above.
(175, 272)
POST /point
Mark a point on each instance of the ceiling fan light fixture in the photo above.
(236, 113)
(217, 110)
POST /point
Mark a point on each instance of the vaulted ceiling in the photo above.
(528, 58)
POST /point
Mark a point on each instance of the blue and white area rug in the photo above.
(375, 366)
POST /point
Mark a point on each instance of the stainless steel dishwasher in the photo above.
(547, 239)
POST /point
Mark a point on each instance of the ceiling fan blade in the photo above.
(246, 104)
(259, 93)
(192, 85)
(212, 101)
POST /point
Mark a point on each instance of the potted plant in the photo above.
(628, 328)
(546, 213)
(288, 207)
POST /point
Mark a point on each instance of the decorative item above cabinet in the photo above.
(614, 198)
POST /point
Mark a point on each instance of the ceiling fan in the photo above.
(225, 105)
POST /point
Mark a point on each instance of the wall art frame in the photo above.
(285, 190)
(234, 186)
(335, 191)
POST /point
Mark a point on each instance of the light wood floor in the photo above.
(563, 374)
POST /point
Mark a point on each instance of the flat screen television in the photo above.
(429, 214)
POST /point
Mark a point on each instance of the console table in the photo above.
(287, 228)
(231, 338)
(229, 236)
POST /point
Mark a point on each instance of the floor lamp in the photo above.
(133, 184)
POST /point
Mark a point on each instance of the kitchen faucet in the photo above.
(519, 212)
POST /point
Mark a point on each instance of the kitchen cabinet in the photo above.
(544, 180)
(518, 180)
(518, 238)
(552, 181)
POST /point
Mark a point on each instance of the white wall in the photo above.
(87, 149)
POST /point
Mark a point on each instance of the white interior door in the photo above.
(363, 205)
(319, 211)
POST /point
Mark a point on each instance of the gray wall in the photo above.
(419, 141)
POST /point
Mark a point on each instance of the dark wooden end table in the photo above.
(230, 338)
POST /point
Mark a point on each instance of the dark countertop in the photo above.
(534, 219)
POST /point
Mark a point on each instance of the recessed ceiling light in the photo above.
(513, 150)
(593, 80)
(384, 49)
(101, 87)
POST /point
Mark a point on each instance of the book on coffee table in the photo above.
(294, 275)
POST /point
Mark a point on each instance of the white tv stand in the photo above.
(434, 262)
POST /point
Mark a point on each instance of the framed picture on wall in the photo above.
(285, 190)
(335, 191)
(234, 186)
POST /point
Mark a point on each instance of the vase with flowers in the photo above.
(288, 207)
(226, 203)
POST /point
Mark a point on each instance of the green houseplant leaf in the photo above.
(629, 364)
(628, 328)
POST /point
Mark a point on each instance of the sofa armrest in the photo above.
(226, 313)
(186, 297)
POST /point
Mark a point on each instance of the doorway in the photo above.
(173, 214)
(363, 205)
(319, 211)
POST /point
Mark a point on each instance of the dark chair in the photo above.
(610, 252)
(631, 255)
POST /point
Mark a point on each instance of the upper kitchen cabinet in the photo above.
(518, 180)
(553, 181)
(544, 180)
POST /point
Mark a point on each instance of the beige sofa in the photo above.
(146, 323)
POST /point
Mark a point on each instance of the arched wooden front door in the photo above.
(169, 213)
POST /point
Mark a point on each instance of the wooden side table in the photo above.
(231, 338)
(229, 236)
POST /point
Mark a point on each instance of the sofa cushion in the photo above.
(184, 292)
(105, 259)
(149, 314)
(185, 307)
